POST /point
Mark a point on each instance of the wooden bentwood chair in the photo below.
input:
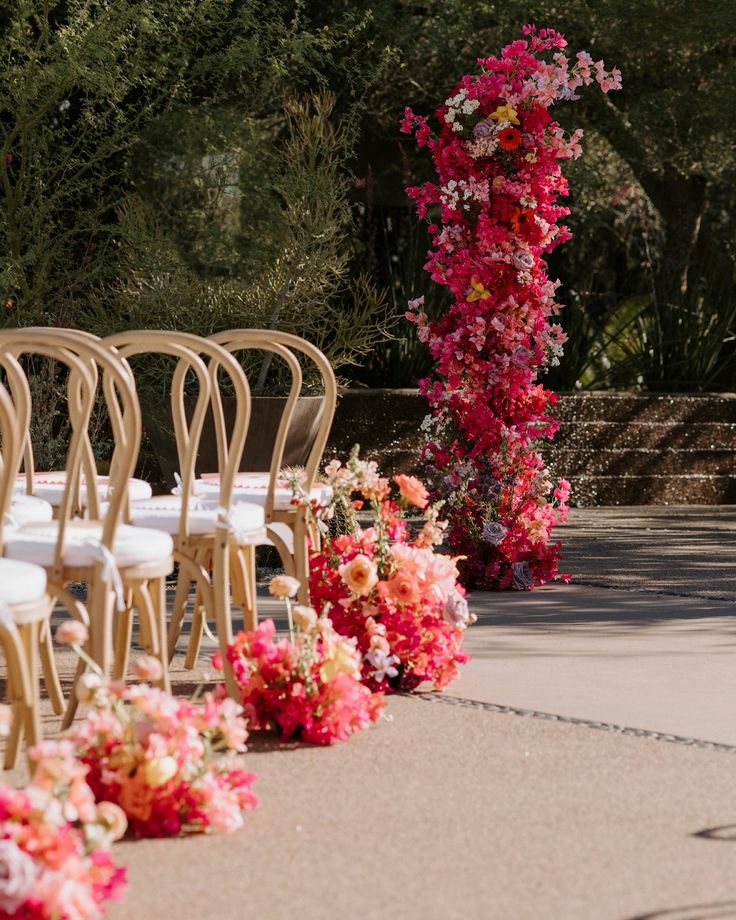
(214, 543)
(287, 526)
(25, 605)
(121, 565)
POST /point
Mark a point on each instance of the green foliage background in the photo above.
(208, 163)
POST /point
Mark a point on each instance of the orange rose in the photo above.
(412, 490)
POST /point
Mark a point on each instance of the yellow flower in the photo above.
(478, 292)
(160, 771)
(505, 113)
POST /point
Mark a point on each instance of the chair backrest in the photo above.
(83, 356)
(11, 448)
(289, 348)
(190, 349)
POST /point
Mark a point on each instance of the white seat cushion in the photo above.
(163, 512)
(133, 545)
(21, 582)
(28, 509)
(253, 487)
(50, 486)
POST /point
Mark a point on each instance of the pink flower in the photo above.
(18, 876)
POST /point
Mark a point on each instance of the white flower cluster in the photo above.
(459, 104)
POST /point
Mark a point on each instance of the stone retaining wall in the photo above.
(616, 448)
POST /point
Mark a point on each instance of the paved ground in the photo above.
(478, 804)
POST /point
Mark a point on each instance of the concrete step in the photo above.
(647, 462)
(628, 407)
(642, 435)
(616, 449)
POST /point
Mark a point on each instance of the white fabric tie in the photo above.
(196, 500)
(225, 517)
(6, 617)
(110, 571)
(10, 520)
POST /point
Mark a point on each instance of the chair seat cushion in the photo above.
(133, 545)
(50, 486)
(29, 509)
(253, 487)
(21, 582)
(163, 512)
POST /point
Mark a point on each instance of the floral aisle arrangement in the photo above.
(55, 859)
(494, 215)
(307, 686)
(170, 764)
(393, 593)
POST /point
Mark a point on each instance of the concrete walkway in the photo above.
(479, 803)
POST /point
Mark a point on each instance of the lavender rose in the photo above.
(522, 259)
(493, 532)
(18, 874)
(456, 611)
(483, 129)
(523, 579)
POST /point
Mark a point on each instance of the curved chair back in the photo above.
(288, 348)
(11, 448)
(190, 349)
(83, 355)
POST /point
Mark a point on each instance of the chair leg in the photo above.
(301, 559)
(73, 701)
(178, 610)
(123, 635)
(31, 720)
(158, 596)
(50, 674)
(100, 604)
(195, 636)
(12, 746)
(223, 614)
(250, 597)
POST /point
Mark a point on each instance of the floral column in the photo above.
(494, 214)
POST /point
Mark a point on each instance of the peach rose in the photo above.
(412, 490)
(402, 588)
(359, 575)
(304, 617)
(71, 632)
(148, 668)
(283, 586)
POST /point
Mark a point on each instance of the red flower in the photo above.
(509, 138)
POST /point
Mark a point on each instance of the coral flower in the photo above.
(402, 588)
(413, 490)
(509, 138)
